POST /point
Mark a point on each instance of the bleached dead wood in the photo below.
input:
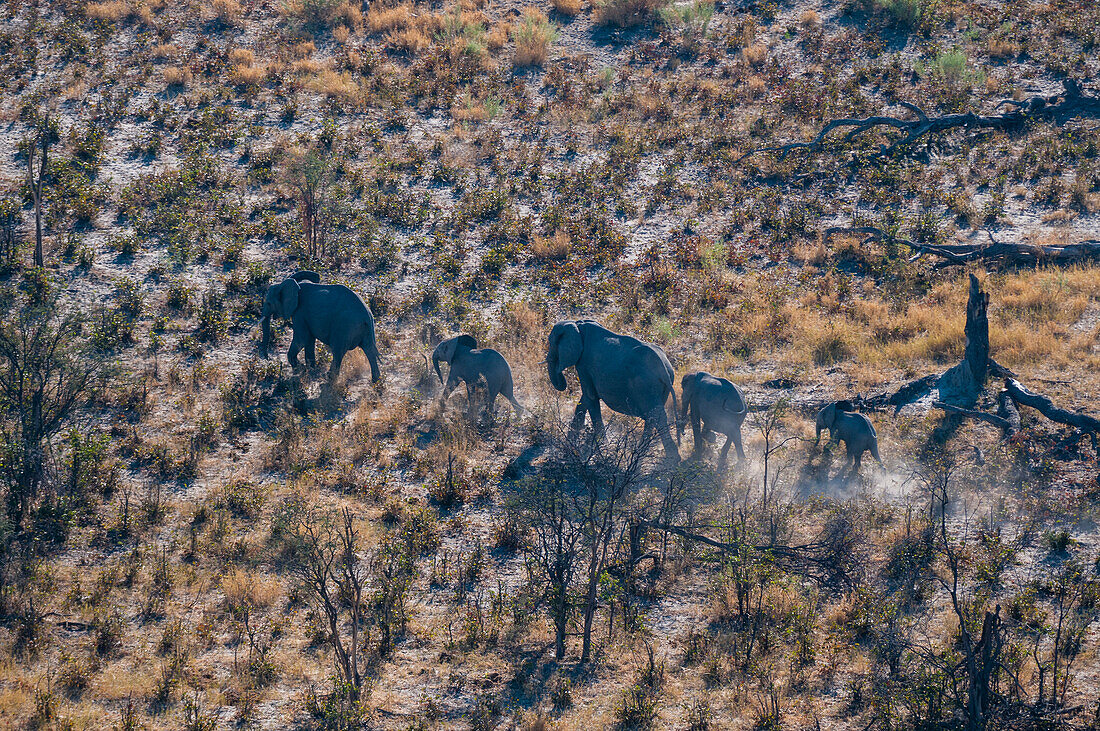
(1068, 104)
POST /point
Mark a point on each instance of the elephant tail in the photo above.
(874, 451)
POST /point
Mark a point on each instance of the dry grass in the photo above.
(248, 75)
(387, 20)
(567, 7)
(112, 11)
(533, 36)
(409, 40)
(242, 588)
(164, 51)
(756, 54)
(225, 11)
(809, 19)
(177, 76)
(335, 85)
(556, 247)
(624, 13)
(242, 57)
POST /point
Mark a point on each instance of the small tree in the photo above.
(47, 369)
(311, 177)
(552, 555)
(327, 564)
(37, 146)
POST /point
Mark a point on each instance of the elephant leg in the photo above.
(735, 435)
(311, 352)
(578, 418)
(292, 353)
(697, 433)
(491, 401)
(660, 420)
(471, 410)
(725, 451)
(337, 359)
(597, 417)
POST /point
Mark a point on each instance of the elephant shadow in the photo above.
(817, 479)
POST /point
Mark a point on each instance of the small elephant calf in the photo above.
(714, 405)
(471, 364)
(852, 428)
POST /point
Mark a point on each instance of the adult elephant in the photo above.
(331, 313)
(631, 377)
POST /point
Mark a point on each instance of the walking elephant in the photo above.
(712, 404)
(850, 427)
(470, 365)
(631, 377)
(331, 313)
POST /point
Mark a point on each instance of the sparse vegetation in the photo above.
(195, 537)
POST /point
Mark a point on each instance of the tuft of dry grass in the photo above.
(409, 40)
(385, 20)
(225, 11)
(755, 54)
(164, 51)
(533, 35)
(242, 589)
(556, 247)
(177, 76)
(335, 85)
(111, 11)
(625, 13)
(248, 75)
(567, 7)
(242, 57)
(809, 19)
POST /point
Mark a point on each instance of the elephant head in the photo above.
(563, 350)
(281, 300)
(826, 418)
(447, 349)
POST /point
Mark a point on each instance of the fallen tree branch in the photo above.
(1022, 395)
(995, 252)
(1068, 104)
(996, 421)
(818, 560)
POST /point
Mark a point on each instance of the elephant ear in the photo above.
(306, 276)
(465, 341)
(569, 344)
(288, 296)
(845, 405)
(827, 416)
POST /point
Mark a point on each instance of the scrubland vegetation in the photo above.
(195, 537)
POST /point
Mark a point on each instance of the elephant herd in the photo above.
(631, 377)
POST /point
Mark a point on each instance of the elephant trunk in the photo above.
(265, 325)
(557, 376)
(435, 364)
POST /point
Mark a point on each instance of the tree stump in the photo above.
(963, 382)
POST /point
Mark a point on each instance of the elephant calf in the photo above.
(850, 427)
(471, 364)
(712, 404)
(331, 313)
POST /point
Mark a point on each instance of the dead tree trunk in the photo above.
(963, 382)
(1058, 108)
